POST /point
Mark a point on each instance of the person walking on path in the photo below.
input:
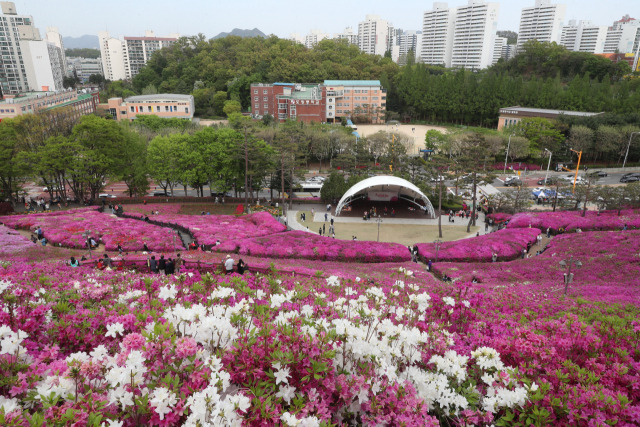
(494, 257)
(162, 264)
(178, 263)
(326, 217)
(548, 232)
(429, 265)
(153, 264)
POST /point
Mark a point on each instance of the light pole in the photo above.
(548, 164)
(379, 221)
(568, 276)
(579, 153)
(437, 243)
(629, 145)
(87, 237)
(507, 154)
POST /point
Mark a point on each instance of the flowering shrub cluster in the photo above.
(66, 228)
(300, 244)
(570, 220)
(207, 229)
(499, 217)
(131, 349)
(506, 243)
(11, 241)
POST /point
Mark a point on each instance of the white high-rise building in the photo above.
(314, 37)
(623, 36)
(404, 42)
(438, 25)
(542, 22)
(123, 59)
(583, 37)
(498, 46)
(349, 35)
(28, 63)
(474, 34)
(54, 37)
(508, 51)
(374, 35)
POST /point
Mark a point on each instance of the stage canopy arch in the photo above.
(386, 188)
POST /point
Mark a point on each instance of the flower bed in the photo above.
(506, 243)
(150, 208)
(300, 244)
(206, 229)
(499, 217)
(66, 228)
(137, 349)
(11, 241)
(570, 220)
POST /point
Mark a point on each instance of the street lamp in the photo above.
(87, 237)
(379, 221)
(568, 276)
(437, 243)
(548, 164)
(628, 146)
(507, 154)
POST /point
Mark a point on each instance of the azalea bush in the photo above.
(65, 228)
(499, 217)
(207, 229)
(571, 220)
(506, 243)
(301, 244)
(12, 241)
(151, 208)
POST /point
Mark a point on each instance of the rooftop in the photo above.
(28, 96)
(81, 97)
(544, 111)
(352, 82)
(159, 97)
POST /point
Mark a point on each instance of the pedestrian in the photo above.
(228, 264)
(119, 249)
(323, 229)
(313, 212)
(528, 246)
(73, 262)
(486, 227)
(178, 263)
(328, 208)
(548, 232)
(241, 266)
(145, 247)
(429, 265)
(106, 261)
(170, 267)
(326, 217)
(333, 235)
(524, 253)
(320, 231)
(162, 264)
(494, 257)
(624, 228)
(331, 221)
(153, 264)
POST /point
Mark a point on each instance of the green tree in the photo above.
(231, 107)
(219, 98)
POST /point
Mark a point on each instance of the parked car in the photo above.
(633, 177)
(438, 178)
(220, 194)
(597, 174)
(106, 196)
(550, 181)
(161, 194)
(513, 182)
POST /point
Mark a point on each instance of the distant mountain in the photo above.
(242, 33)
(86, 41)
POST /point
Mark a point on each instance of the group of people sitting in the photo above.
(228, 265)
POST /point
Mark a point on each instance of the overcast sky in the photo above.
(279, 17)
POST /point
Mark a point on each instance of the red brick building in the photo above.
(320, 103)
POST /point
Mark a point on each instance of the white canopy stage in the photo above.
(386, 188)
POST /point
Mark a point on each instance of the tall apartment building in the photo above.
(27, 62)
(404, 42)
(319, 103)
(438, 26)
(542, 22)
(508, 51)
(123, 59)
(55, 38)
(314, 37)
(474, 34)
(374, 35)
(349, 35)
(498, 47)
(83, 68)
(623, 36)
(583, 36)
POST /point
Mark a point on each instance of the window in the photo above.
(150, 109)
(158, 108)
(255, 98)
(265, 99)
(133, 110)
(255, 91)
(264, 92)
(330, 107)
(166, 108)
(257, 106)
(374, 98)
(123, 112)
(186, 110)
(266, 106)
